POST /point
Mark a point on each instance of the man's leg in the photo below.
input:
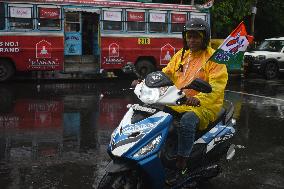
(186, 133)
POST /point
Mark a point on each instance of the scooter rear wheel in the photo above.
(122, 180)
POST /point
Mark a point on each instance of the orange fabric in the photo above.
(195, 66)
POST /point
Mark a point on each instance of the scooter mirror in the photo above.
(200, 85)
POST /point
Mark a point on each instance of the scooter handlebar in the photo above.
(181, 101)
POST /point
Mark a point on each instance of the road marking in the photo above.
(256, 95)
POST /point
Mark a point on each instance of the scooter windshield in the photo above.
(157, 79)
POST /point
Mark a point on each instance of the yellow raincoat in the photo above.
(215, 74)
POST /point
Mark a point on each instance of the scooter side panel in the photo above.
(217, 134)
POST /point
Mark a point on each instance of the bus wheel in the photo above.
(144, 67)
(6, 70)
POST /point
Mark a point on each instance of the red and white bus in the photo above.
(88, 36)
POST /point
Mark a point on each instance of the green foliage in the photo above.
(227, 14)
(269, 20)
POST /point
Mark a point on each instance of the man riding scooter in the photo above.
(200, 108)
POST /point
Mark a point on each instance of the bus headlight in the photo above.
(149, 147)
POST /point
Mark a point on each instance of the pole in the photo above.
(253, 12)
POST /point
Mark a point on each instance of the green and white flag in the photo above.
(231, 51)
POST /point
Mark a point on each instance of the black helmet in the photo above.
(197, 24)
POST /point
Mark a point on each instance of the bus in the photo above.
(83, 37)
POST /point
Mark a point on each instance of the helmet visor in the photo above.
(194, 33)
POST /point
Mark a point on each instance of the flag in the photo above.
(231, 51)
(206, 5)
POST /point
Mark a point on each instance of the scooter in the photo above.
(143, 146)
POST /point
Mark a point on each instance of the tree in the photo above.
(269, 20)
(227, 14)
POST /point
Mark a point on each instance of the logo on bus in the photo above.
(43, 49)
(167, 52)
(113, 50)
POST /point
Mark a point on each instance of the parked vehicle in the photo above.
(267, 59)
(143, 146)
(88, 37)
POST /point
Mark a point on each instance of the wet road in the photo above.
(54, 135)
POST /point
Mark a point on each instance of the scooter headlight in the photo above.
(149, 147)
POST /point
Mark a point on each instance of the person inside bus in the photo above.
(200, 108)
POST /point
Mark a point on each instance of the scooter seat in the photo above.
(220, 117)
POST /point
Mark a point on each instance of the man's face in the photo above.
(194, 40)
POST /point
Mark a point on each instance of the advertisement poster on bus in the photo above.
(116, 52)
(36, 52)
(73, 43)
(167, 52)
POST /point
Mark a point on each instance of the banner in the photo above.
(73, 43)
(178, 18)
(157, 17)
(20, 12)
(49, 13)
(112, 15)
(136, 16)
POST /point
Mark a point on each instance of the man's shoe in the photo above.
(177, 176)
(181, 162)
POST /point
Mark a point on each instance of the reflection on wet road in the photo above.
(55, 135)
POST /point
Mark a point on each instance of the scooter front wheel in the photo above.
(122, 180)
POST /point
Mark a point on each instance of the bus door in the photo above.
(81, 41)
(90, 34)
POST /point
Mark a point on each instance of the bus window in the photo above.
(158, 22)
(72, 22)
(136, 21)
(198, 15)
(49, 18)
(112, 20)
(177, 22)
(2, 16)
(20, 17)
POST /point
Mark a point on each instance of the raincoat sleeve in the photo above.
(217, 78)
(172, 66)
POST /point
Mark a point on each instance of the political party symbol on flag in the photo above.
(231, 51)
